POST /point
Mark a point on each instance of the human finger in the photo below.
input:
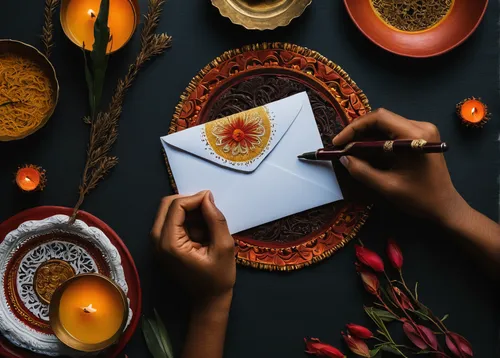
(365, 173)
(393, 125)
(220, 237)
(161, 215)
(173, 233)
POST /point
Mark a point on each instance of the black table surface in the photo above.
(272, 312)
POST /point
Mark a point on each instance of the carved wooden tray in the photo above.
(34, 236)
(256, 75)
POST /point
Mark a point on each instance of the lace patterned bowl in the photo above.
(32, 238)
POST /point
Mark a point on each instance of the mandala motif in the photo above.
(240, 137)
(412, 15)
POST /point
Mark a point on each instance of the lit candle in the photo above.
(473, 112)
(88, 312)
(30, 178)
(78, 19)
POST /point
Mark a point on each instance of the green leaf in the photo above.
(384, 315)
(421, 315)
(416, 290)
(390, 349)
(445, 317)
(154, 345)
(95, 69)
(374, 352)
(90, 84)
(164, 338)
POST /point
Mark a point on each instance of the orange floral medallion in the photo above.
(240, 137)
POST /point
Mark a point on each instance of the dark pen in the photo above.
(399, 146)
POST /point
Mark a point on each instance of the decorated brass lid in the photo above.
(261, 14)
(49, 276)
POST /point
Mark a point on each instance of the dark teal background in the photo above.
(272, 312)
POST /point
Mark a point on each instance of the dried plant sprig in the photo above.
(48, 25)
(104, 129)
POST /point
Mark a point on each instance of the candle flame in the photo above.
(89, 309)
(91, 13)
(27, 179)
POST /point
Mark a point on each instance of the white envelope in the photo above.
(249, 162)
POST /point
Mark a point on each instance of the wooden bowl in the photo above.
(416, 30)
(29, 52)
(261, 14)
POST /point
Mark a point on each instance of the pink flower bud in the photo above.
(356, 345)
(316, 347)
(414, 336)
(428, 336)
(458, 345)
(370, 280)
(359, 331)
(369, 258)
(395, 255)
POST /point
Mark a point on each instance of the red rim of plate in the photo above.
(131, 274)
(446, 49)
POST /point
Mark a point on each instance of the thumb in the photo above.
(216, 223)
(363, 172)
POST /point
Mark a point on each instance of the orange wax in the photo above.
(80, 16)
(473, 111)
(96, 323)
(28, 178)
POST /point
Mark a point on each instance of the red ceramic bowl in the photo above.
(460, 22)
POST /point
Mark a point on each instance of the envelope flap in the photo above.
(241, 141)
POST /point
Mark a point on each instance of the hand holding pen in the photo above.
(419, 184)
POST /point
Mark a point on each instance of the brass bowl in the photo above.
(29, 52)
(64, 336)
(261, 14)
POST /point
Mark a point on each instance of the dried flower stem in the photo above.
(48, 26)
(104, 129)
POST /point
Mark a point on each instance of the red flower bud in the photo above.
(458, 345)
(403, 300)
(356, 345)
(359, 331)
(395, 255)
(370, 280)
(316, 347)
(369, 258)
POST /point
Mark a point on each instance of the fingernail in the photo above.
(344, 161)
(211, 197)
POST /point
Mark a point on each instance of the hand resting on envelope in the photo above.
(191, 233)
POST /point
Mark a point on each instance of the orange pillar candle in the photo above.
(473, 112)
(88, 312)
(78, 19)
(30, 178)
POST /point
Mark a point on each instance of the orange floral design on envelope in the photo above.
(240, 137)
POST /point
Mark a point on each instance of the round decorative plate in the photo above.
(261, 14)
(256, 75)
(417, 28)
(38, 250)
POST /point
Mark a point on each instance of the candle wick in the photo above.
(91, 13)
(89, 309)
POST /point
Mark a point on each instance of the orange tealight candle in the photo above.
(473, 112)
(78, 19)
(88, 312)
(30, 177)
